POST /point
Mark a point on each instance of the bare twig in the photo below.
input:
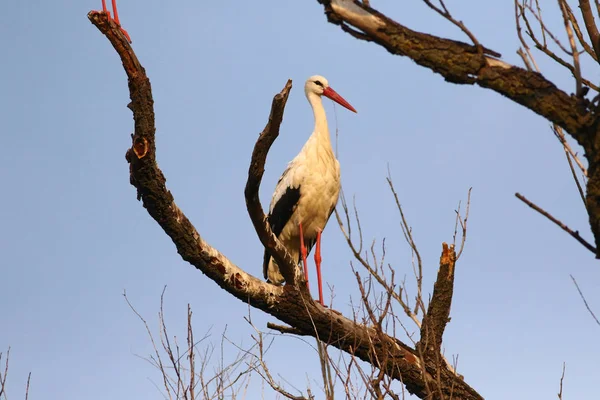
(407, 231)
(564, 227)
(463, 225)
(264, 371)
(584, 300)
(590, 24)
(5, 374)
(526, 55)
(562, 377)
(574, 69)
(443, 11)
(586, 46)
(560, 135)
(574, 51)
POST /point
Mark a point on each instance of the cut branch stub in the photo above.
(438, 312)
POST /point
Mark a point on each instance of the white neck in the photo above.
(321, 128)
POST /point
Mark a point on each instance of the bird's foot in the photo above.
(116, 18)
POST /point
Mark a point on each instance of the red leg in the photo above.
(318, 263)
(114, 6)
(304, 254)
(116, 19)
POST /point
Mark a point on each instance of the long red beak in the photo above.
(332, 94)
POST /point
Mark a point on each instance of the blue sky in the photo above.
(74, 237)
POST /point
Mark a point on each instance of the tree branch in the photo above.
(438, 312)
(287, 303)
(460, 63)
(287, 266)
(574, 234)
(590, 25)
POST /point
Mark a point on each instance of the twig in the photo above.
(586, 46)
(443, 11)
(3, 376)
(584, 300)
(407, 231)
(590, 24)
(463, 224)
(544, 48)
(562, 377)
(526, 54)
(560, 135)
(575, 53)
(565, 228)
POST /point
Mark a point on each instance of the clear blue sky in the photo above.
(73, 236)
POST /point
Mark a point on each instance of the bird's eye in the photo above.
(318, 83)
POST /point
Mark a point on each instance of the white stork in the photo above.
(307, 192)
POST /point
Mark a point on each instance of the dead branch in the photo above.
(438, 312)
(590, 25)
(574, 51)
(288, 266)
(586, 46)
(562, 226)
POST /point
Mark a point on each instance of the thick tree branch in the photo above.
(287, 303)
(286, 264)
(461, 63)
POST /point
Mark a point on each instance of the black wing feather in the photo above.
(280, 215)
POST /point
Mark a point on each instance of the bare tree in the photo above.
(371, 337)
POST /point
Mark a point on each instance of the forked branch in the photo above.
(288, 267)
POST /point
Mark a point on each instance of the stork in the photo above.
(308, 190)
(116, 19)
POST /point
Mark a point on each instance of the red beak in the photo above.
(332, 94)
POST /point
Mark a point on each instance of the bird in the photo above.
(116, 19)
(307, 192)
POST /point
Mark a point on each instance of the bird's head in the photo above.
(318, 85)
